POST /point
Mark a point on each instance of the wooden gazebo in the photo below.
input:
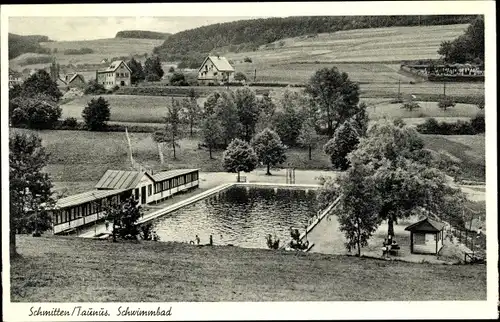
(426, 236)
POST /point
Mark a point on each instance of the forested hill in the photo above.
(245, 35)
(19, 44)
(142, 34)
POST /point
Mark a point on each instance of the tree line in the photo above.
(142, 34)
(248, 35)
(468, 47)
(19, 45)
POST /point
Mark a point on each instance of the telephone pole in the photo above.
(399, 90)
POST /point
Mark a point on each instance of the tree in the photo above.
(96, 114)
(191, 110)
(289, 117)
(124, 217)
(445, 103)
(227, 112)
(173, 121)
(29, 187)
(267, 144)
(137, 75)
(406, 179)
(239, 156)
(467, 47)
(344, 141)
(335, 95)
(178, 79)
(240, 77)
(41, 83)
(152, 68)
(39, 111)
(93, 87)
(248, 111)
(267, 108)
(410, 106)
(308, 137)
(211, 130)
(357, 218)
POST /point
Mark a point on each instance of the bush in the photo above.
(37, 112)
(410, 106)
(171, 69)
(70, 122)
(475, 126)
(178, 79)
(96, 114)
(93, 87)
(152, 78)
(446, 103)
(478, 124)
(247, 60)
(81, 51)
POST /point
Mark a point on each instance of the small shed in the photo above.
(426, 236)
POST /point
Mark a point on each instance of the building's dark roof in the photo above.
(118, 179)
(84, 197)
(164, 175)
(427, 225)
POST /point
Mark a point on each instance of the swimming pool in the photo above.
(241, 216)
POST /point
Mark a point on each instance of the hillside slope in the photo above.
(250, 34)
(78, 270)
(19, 44)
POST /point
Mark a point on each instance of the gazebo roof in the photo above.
(426, 225)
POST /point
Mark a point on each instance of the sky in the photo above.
(86, 28)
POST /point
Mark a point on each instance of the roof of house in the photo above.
(164, 175)
(15, 73)
(220, 63)
(119, 179)
(114, 66)
(427, 225)
(75, 76)
(86, 196)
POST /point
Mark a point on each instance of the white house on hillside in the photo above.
(215, 70)
(117, 74)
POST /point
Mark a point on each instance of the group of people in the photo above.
(389, 244)
(197, 240)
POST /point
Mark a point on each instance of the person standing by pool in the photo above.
(197, 240)
(106, 224)
(210, 241)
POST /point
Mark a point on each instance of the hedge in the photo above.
(476, 125)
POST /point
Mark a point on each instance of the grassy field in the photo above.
(126, 108)
(103, 48)
(56, 269)
(358, 52)
(152, 109)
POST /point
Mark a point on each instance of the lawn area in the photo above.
(380, 108)
(125, 108)
(468, 150)
(58, 269)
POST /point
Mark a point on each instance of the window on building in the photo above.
(150, 190)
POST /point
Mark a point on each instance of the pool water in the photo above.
(241, 216)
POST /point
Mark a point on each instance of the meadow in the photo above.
(151, 110)
(68, 269)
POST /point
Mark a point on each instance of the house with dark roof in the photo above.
(117, 74)
(215, 70)
(426, 236)
(115, 186)
(15, 78)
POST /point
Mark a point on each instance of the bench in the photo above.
(391, 250)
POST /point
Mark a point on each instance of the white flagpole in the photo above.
(130, 148)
